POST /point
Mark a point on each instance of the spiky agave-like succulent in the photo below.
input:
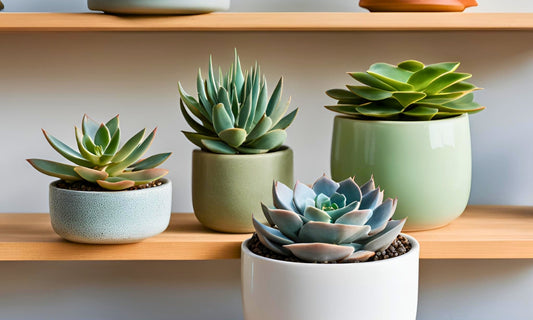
(101, 161)
(408, 91)
(235, 113)
(329, 221)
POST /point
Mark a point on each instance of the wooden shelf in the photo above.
(268, 21)
(482, 232)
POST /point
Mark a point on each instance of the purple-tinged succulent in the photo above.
(329, 221)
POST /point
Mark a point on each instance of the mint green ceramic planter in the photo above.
(110, 217)
(228, 189)
(426, 164)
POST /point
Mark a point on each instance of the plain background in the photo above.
(49, 80)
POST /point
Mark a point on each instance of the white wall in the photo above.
(50, 80)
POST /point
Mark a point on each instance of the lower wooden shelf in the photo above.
(482, 232)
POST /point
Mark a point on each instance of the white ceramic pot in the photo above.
(378, 290)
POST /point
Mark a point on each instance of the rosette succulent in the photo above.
(234, 112)
(329, 221)
(408, 91)
(100, 158)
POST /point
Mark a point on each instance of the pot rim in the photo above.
(404, 122)
(281, 150)
(415, 247)
(166, 183)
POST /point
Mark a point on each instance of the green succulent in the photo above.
(408, 91)
(101, 161)
(235, 113)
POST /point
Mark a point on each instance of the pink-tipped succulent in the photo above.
(329, 221)
(101, 160)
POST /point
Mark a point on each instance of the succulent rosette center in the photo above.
(329, 221)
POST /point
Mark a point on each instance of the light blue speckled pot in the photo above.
(110, 217)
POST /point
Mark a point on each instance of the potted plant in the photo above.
(162, 7)
(309, 262)
(417, 5)
(408, 126)
(109, 195)
(240, 132)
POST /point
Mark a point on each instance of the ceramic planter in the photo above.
(426, 164)
(158, 6)
(228, 189)
(417, 5)
(273, 289)
(110, 217)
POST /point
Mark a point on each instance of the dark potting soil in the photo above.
(87, 186)
(398, 247)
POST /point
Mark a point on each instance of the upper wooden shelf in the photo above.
(482, 232)
(267, 21)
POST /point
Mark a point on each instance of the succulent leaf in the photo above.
(150, 162)
(55, 169)
(129, 146)
(91, 175)
(102, 137)
(83, 150)
(409, 91)
(195, 125)
(113, 125)
(269, 141)
(98, 160)
(319, 252)
(321, 226)
(89, 126)
(221, 119)
(144, 176)
(66, 151)
(233, 136)
(383, 239)
(116, 167)
(115, 184)
(217, 146)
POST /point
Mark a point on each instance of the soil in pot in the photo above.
(399, 247)
(86, 186)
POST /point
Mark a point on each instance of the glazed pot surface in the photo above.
(158, 6)
(110, 217)
(426, 164)
(228, 189)
(378, 290)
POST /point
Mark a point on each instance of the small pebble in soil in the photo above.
(400, 246)
(87, 186)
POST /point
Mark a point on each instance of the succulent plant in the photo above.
(408, 91)
(329, 221)
(101, 161)
(235, 112)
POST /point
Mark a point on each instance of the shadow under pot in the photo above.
(228, 189)
(374, 290)
(110, 217)
(426, 164)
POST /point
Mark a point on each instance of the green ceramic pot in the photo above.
(228, 189)
(426, 164)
